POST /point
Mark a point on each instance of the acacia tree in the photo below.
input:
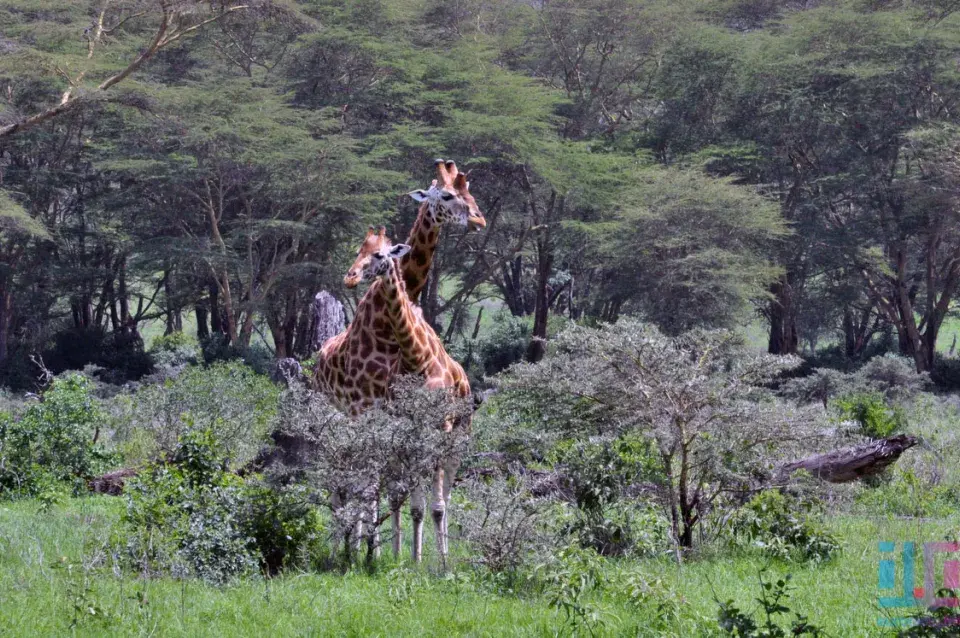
(18, 231)
(817, 115)
(911, 265)
(699, 397)
(683, 249)
(167, 22)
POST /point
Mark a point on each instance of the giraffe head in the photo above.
(449, 198)
(383, 260)
(373, 242)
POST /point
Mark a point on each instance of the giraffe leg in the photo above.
(451, 466)
(373, 530)
(339, 531)
(438, 510)
(356, 536)
(417, 506)
(395, 504)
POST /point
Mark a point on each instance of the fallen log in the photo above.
(850, 464)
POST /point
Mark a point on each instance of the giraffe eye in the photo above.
(446, 197)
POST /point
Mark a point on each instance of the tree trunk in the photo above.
(170, 327)
(203, 329)
(538, 340)
(850, 464)
(6, 321)
(783, 319)
(216, 314)
(302, 342)
(429, 299)
(280, 338)
(512, 273)
(329, 320)
(245, 334)
(122, 294)
(849, 334)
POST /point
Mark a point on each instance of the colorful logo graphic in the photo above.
(912, 597)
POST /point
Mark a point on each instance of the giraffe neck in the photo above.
(423, 243)
(402, 315)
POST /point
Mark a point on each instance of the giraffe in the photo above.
(422, 352)
(447, 200)
(356, 367)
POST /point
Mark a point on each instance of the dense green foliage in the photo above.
(186, 515)
(229, 399)
(784, 527)
(659, 179)
(53, 440)
(687, 162)
(875, 418)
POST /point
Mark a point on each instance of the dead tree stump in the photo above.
(329, 320)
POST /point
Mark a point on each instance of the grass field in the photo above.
(56, 578)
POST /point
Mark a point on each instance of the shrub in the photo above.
(620, 529)
(502, 523)
(55, 440)
(570, 579)
(236, 404)
(773, 604)
(282, 525)
(819, 386)
(505, 344)
(701, 397)
(894, 377)
(784, 527)
(891, 377)
(20, 371)
(188, 515)
(217, 348)
(946, 372)
(181, 515)
(389, 450)
(174, 350)
(872, 413)
(909, 494)
(213, 545)
(602, 476)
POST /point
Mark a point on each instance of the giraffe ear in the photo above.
(460, 182)
(399, 251)
(419, 195)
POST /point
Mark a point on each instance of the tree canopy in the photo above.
(693, 163)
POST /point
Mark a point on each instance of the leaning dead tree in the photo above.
(850, 464)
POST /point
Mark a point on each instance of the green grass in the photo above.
(949, 331)
(54, 571)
